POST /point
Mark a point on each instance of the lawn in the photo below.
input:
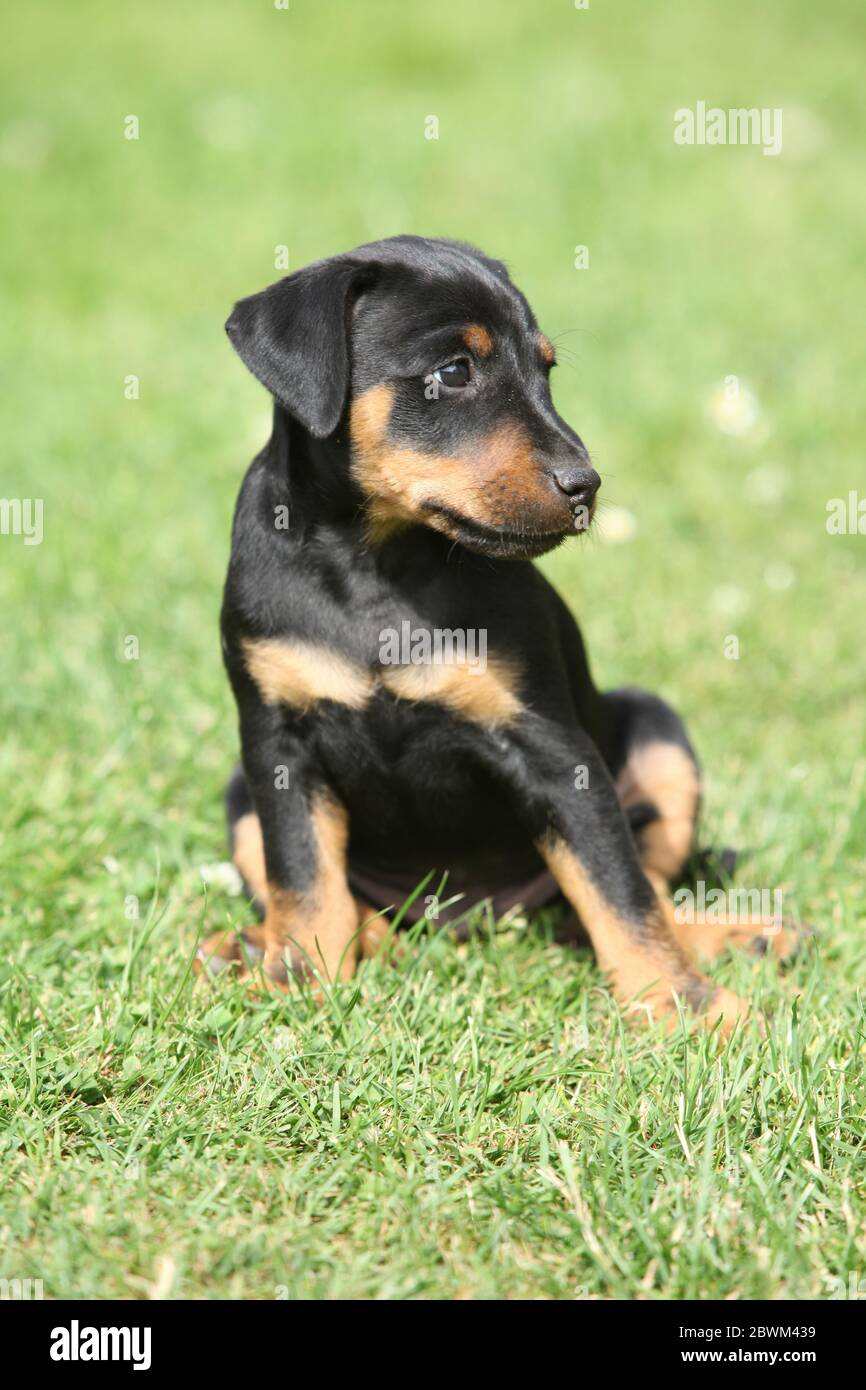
(475, 1121)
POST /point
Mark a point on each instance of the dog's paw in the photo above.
(728, 1011)
(227, 949)
(695, 1002)
(784, 942)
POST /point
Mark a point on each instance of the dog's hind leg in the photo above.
(657, 780)
(658, 783)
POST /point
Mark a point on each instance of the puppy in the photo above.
(412, 693)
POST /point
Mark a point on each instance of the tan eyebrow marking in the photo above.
(546, 348)
(478, 340)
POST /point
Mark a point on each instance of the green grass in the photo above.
(473, 1122)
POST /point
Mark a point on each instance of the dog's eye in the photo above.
(458, 373)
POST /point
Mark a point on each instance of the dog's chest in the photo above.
(412, 773)
(425, 669)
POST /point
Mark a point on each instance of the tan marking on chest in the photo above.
(484, 697)
(301, 674)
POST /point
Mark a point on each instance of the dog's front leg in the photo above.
(311, 918)
(565, 794)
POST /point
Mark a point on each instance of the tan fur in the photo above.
(709, 940)
(545, 347)
(648, 972)
(376, 934)
(301, 674)
(374, 929)
(248, 853)
(500, 484)
(664, 774)
(485, 697)
(478, 340)
(315, 928)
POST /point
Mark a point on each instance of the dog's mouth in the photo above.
(514, 543)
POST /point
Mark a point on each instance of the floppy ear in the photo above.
(293, 336)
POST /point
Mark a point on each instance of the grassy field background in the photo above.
(474, 1122)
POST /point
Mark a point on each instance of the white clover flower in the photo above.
(733, 408)
(730, 599)
(223, 876)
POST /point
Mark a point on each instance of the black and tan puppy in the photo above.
(412, 693)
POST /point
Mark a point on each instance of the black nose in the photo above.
(578, 481)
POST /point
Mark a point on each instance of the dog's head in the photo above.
(435, 360)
